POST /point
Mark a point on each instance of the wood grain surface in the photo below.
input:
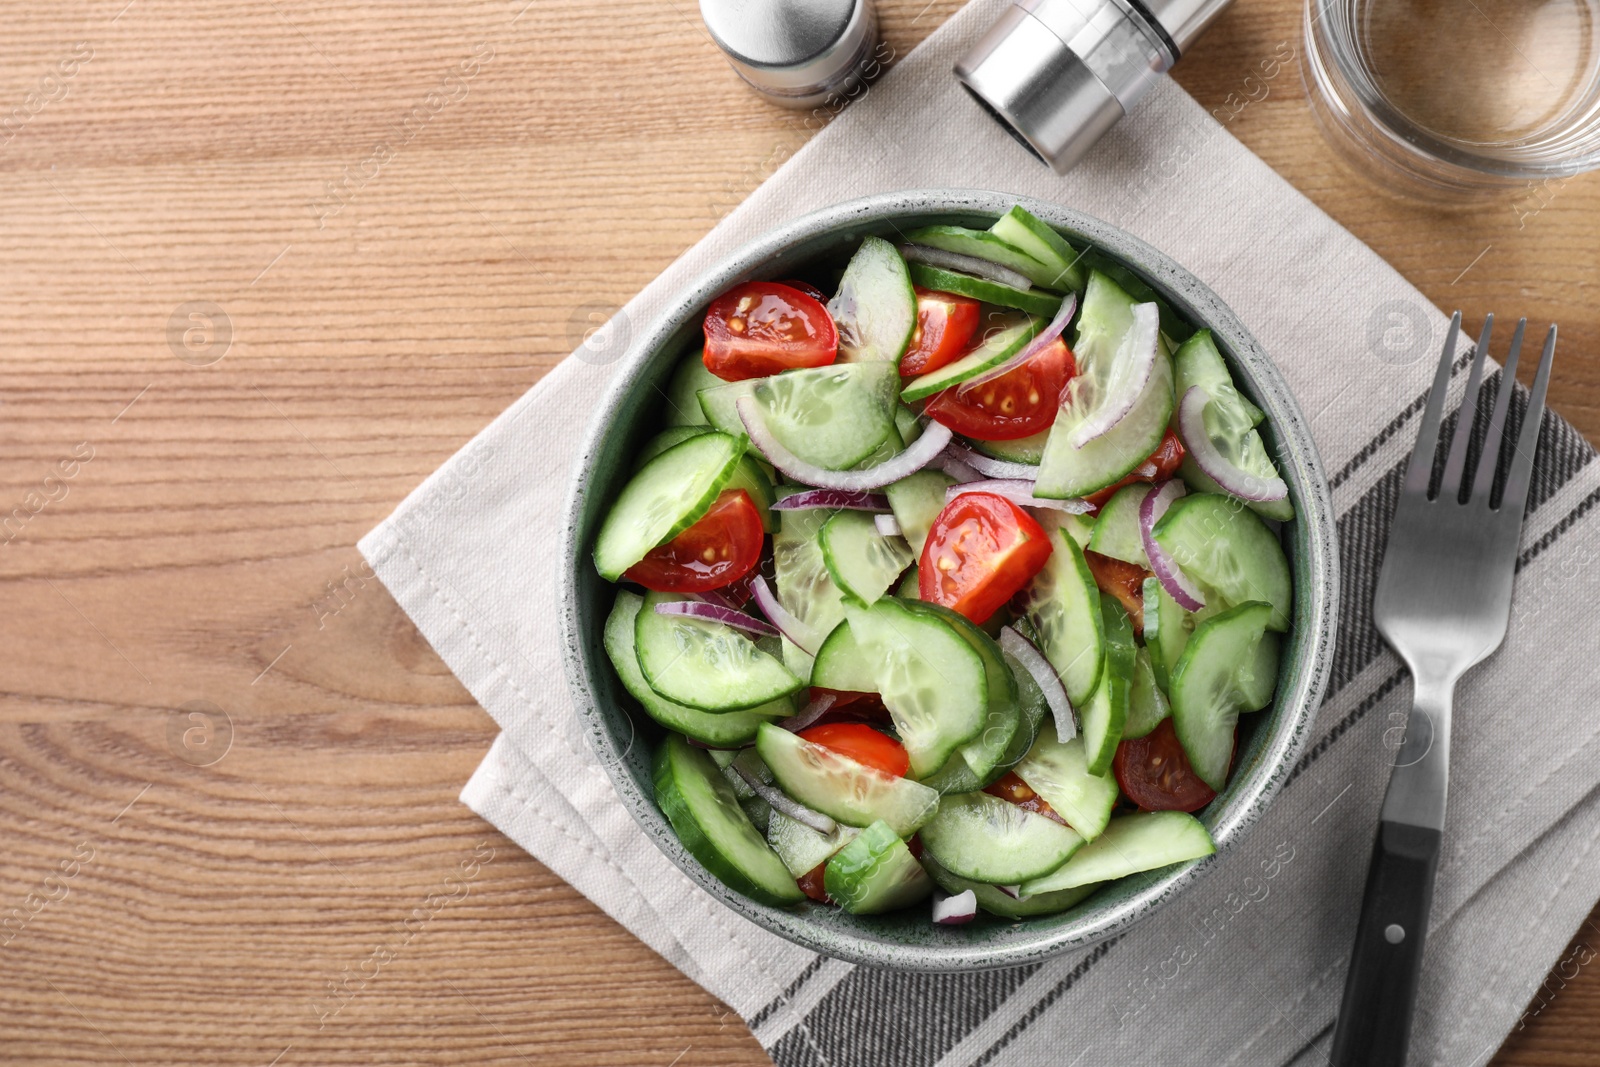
(234, 337)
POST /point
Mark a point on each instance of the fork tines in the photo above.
(1514, 496)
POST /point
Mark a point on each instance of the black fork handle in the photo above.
(1380, 988)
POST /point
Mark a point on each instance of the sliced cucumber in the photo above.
(1105, 714)
(709, 728)
(1167, 627)
(874, 873)
(1218, 663)
(998, 345)
(987, 839)
(1116, 530)
(1201, 482)
(1062, 604)
(663, 499)
(800, 847)
(1027, 450)
(672, 435)
(683, 405)
(1059, 772)
(997, 901)
(1145, 841)
(990, 246)
(1198, 362)
(916, 501)
(1104, 324)
(1259, 679)
(841, 788)
(907, 424)
(1147, 704)
(748, 475)
(732, 761)
(862, 562)
(805, 589)
(1033, 301)
(699, 803)
(930, 678)
(975, 761)
(834, 416)
(1228, 549)
(875, 308)
(1230, 418)
(840, 665)
(1173, 325)
(1040, 240)
(908, 589)
(1032, 712)
(705, 664)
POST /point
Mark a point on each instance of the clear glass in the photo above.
(1458, 99)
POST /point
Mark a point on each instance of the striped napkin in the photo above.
(1247, 966)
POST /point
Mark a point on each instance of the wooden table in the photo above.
(234, 337)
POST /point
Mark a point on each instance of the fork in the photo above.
(1443, 601)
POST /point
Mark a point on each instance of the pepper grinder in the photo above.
(797, 53)
(1057, 74)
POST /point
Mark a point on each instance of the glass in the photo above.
(1458, 99)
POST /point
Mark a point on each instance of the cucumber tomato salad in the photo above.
(948, 576)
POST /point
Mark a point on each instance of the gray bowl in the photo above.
(623, 737)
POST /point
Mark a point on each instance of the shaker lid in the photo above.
(776, 33)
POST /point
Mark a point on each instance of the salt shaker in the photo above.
(797, 53)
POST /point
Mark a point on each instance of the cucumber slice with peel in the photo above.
(908, 589)
(1225, 547)
(972, 765)
(1167, 627)
(987, 839)
(804, 587)
(916, 501)
(1258, 680)
(1173, 325)
(709, 728)
(992, 247)
(1037, 238)
(748, 475)
(1206, 687)
(691, 376)
(998, 345)
(1145, 841)
(1230, 418)
(699, 803)
(705, 664)
(1026, 450)
(875, 872)
(1147, 704)
(931, 679)
(1059, 772)
(800, 847)
(841, 666)
(1105, 714)
(1062, 604)
(997, 901)
(862, 562)
(841, 788)
(663, 498)
(834, 417)
(875, 308)
(1116, 529)
(1033, 301)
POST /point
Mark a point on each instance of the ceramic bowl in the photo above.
(623, 737)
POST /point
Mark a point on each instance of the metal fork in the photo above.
(1443, 602)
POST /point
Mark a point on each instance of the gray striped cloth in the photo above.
(1247, 966)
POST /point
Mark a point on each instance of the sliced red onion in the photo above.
(887, 525)
(988, 465)
(699, 609)
(957, 469)
(917, 455)
(780, 801)
(983, 268)
(1151, 508)
(735, 595)
(1044, 675)
(832, 498)
(1012, 891)
(1233, 479)
(1132, 364)
(803, 636)
(954, 910)
(1018, 492)
(1029, 350)
(809, 714)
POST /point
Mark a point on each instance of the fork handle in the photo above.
(1380, 988)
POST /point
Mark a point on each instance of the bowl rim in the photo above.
(1316, 596)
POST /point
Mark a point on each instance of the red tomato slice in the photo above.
(761, 328)
(1019, 403)
(811, 883)
(1154, 773)
(1158, 467)
(1123, 580)
(807, 288)
(852, 707)
(722, 547)
(863, 744)
(981, 550)
(945, 323)
(1014, 789)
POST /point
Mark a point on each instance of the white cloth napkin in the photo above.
(1246, 967)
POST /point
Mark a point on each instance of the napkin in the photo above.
(1247, 966)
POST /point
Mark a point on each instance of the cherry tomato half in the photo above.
(1155, 774)
(761, 328)
(722, 547)
(812, 883)
(1013, 789)
(1123, 580)
(1158, 467)
(807, 288)
(1020, 403)
(945, 323)
(981, 550)
(863, 744)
